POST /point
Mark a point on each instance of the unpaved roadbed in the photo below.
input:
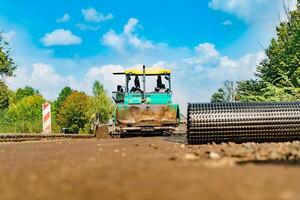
(33, 137)
(147, 168)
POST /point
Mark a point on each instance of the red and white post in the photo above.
(46, 117)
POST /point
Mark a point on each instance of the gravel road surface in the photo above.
(148, 168)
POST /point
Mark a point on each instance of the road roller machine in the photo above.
(144, 103)
(243, 122)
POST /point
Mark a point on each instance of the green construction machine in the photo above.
(144, 103)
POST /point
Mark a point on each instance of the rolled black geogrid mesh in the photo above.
(241, 122)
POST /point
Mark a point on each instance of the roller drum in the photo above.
(243, 122)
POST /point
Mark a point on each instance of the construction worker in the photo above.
(159, 84)
(137, 86)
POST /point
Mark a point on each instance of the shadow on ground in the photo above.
(294, 162)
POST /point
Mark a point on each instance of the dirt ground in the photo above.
(148, 168)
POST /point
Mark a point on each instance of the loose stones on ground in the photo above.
(228, 152)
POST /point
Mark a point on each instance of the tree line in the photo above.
(21, 110)
(277, 78)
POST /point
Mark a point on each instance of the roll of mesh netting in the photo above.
(243, 122)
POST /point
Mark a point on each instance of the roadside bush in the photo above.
(7, 125)
(74, 113)
(24, 92)
(26, 114)
(4, 96)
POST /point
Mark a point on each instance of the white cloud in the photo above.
(207, 50)
(241, 8)
(130, 26)
(197, 77)
(132, 38)
(139, 43)
(8, 36)
(213, 66)
(251, 10)
(113, 40)
(104, 73)
(261, 18)
(60, 37)
(43, 77)
(40, 76)
(92, 15)
(236, 70)
(66, 17)
(86, 27)
(127, 38)
(227, 22)
(205, 55)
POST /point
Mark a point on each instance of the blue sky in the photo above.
(73, 42)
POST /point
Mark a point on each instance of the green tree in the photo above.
(64, 93)
(278, 76)
(26, 114)
(218, 96)
(250, 90)
(56, 105)
(7, 65)
(102, 105)
(25, 92)
(74, 112)
(4, 95)
(98, 88)
(282, 68)
(225, 94)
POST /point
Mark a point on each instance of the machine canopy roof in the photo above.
(148, 71)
